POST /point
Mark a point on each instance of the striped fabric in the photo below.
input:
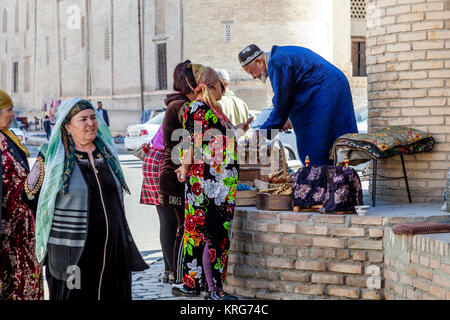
(69, 227)
(68, 231)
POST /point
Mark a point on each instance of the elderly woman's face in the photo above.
(83, 127)
(6, 117)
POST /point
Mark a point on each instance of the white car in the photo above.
(18, 132)
(139, 134)
(361, 120)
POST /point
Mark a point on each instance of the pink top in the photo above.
(157, 140)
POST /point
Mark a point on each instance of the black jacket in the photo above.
(105, 116)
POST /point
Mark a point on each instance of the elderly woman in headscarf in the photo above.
(210, 169)
(20, 276)
(82, 235)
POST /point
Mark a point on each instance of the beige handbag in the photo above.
(142, 151)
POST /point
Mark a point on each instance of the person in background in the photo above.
(310, 91)
(234, 108)
(37, 123)
(103, 112)
(20, 272)
(48, 127)
(211, 174)
(77, 186)
(171, 194)
(151, 168)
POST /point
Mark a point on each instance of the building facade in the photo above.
(408, 61)
(124, 52)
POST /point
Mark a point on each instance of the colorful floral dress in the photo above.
(20, 274)
(210, 192)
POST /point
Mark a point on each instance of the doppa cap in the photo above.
(248, 54)
(223, 74)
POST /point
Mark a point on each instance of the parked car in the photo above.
(287, 138)
(253, 113)
(139, 134)
(15, 127)
(361, 120)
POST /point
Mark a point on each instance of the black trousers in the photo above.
(171, 227)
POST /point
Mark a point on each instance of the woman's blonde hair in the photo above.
(205, 77)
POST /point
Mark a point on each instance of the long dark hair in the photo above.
(183, 78)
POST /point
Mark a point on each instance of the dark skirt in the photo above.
(171, 191)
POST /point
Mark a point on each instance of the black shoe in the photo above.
(219, 294)
(184, 291)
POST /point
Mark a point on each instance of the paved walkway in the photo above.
(148, 285)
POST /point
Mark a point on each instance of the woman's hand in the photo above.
(181, 174)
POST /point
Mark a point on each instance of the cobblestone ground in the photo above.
(148, 285)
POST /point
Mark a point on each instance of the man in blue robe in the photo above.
(309, 91)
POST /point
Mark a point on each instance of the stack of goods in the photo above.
(279, 177)
(282, 189)
(245, 195)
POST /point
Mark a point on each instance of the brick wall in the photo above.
(265, 23)
(287, 255)
(408, 60)
(416, 267)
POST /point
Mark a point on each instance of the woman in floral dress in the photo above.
(211, 183)
(20, 274)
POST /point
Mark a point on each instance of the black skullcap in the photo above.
(248, 54)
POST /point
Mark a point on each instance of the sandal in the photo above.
(166, 277)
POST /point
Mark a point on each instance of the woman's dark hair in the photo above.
(181, 75)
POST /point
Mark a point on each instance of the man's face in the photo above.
(257, 69)
(99, 105)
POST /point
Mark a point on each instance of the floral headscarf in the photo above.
(205, 77)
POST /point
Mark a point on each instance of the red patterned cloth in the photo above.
(150, 169)
(20, 273)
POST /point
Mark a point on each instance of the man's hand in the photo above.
(244, 126)
(287, 126)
